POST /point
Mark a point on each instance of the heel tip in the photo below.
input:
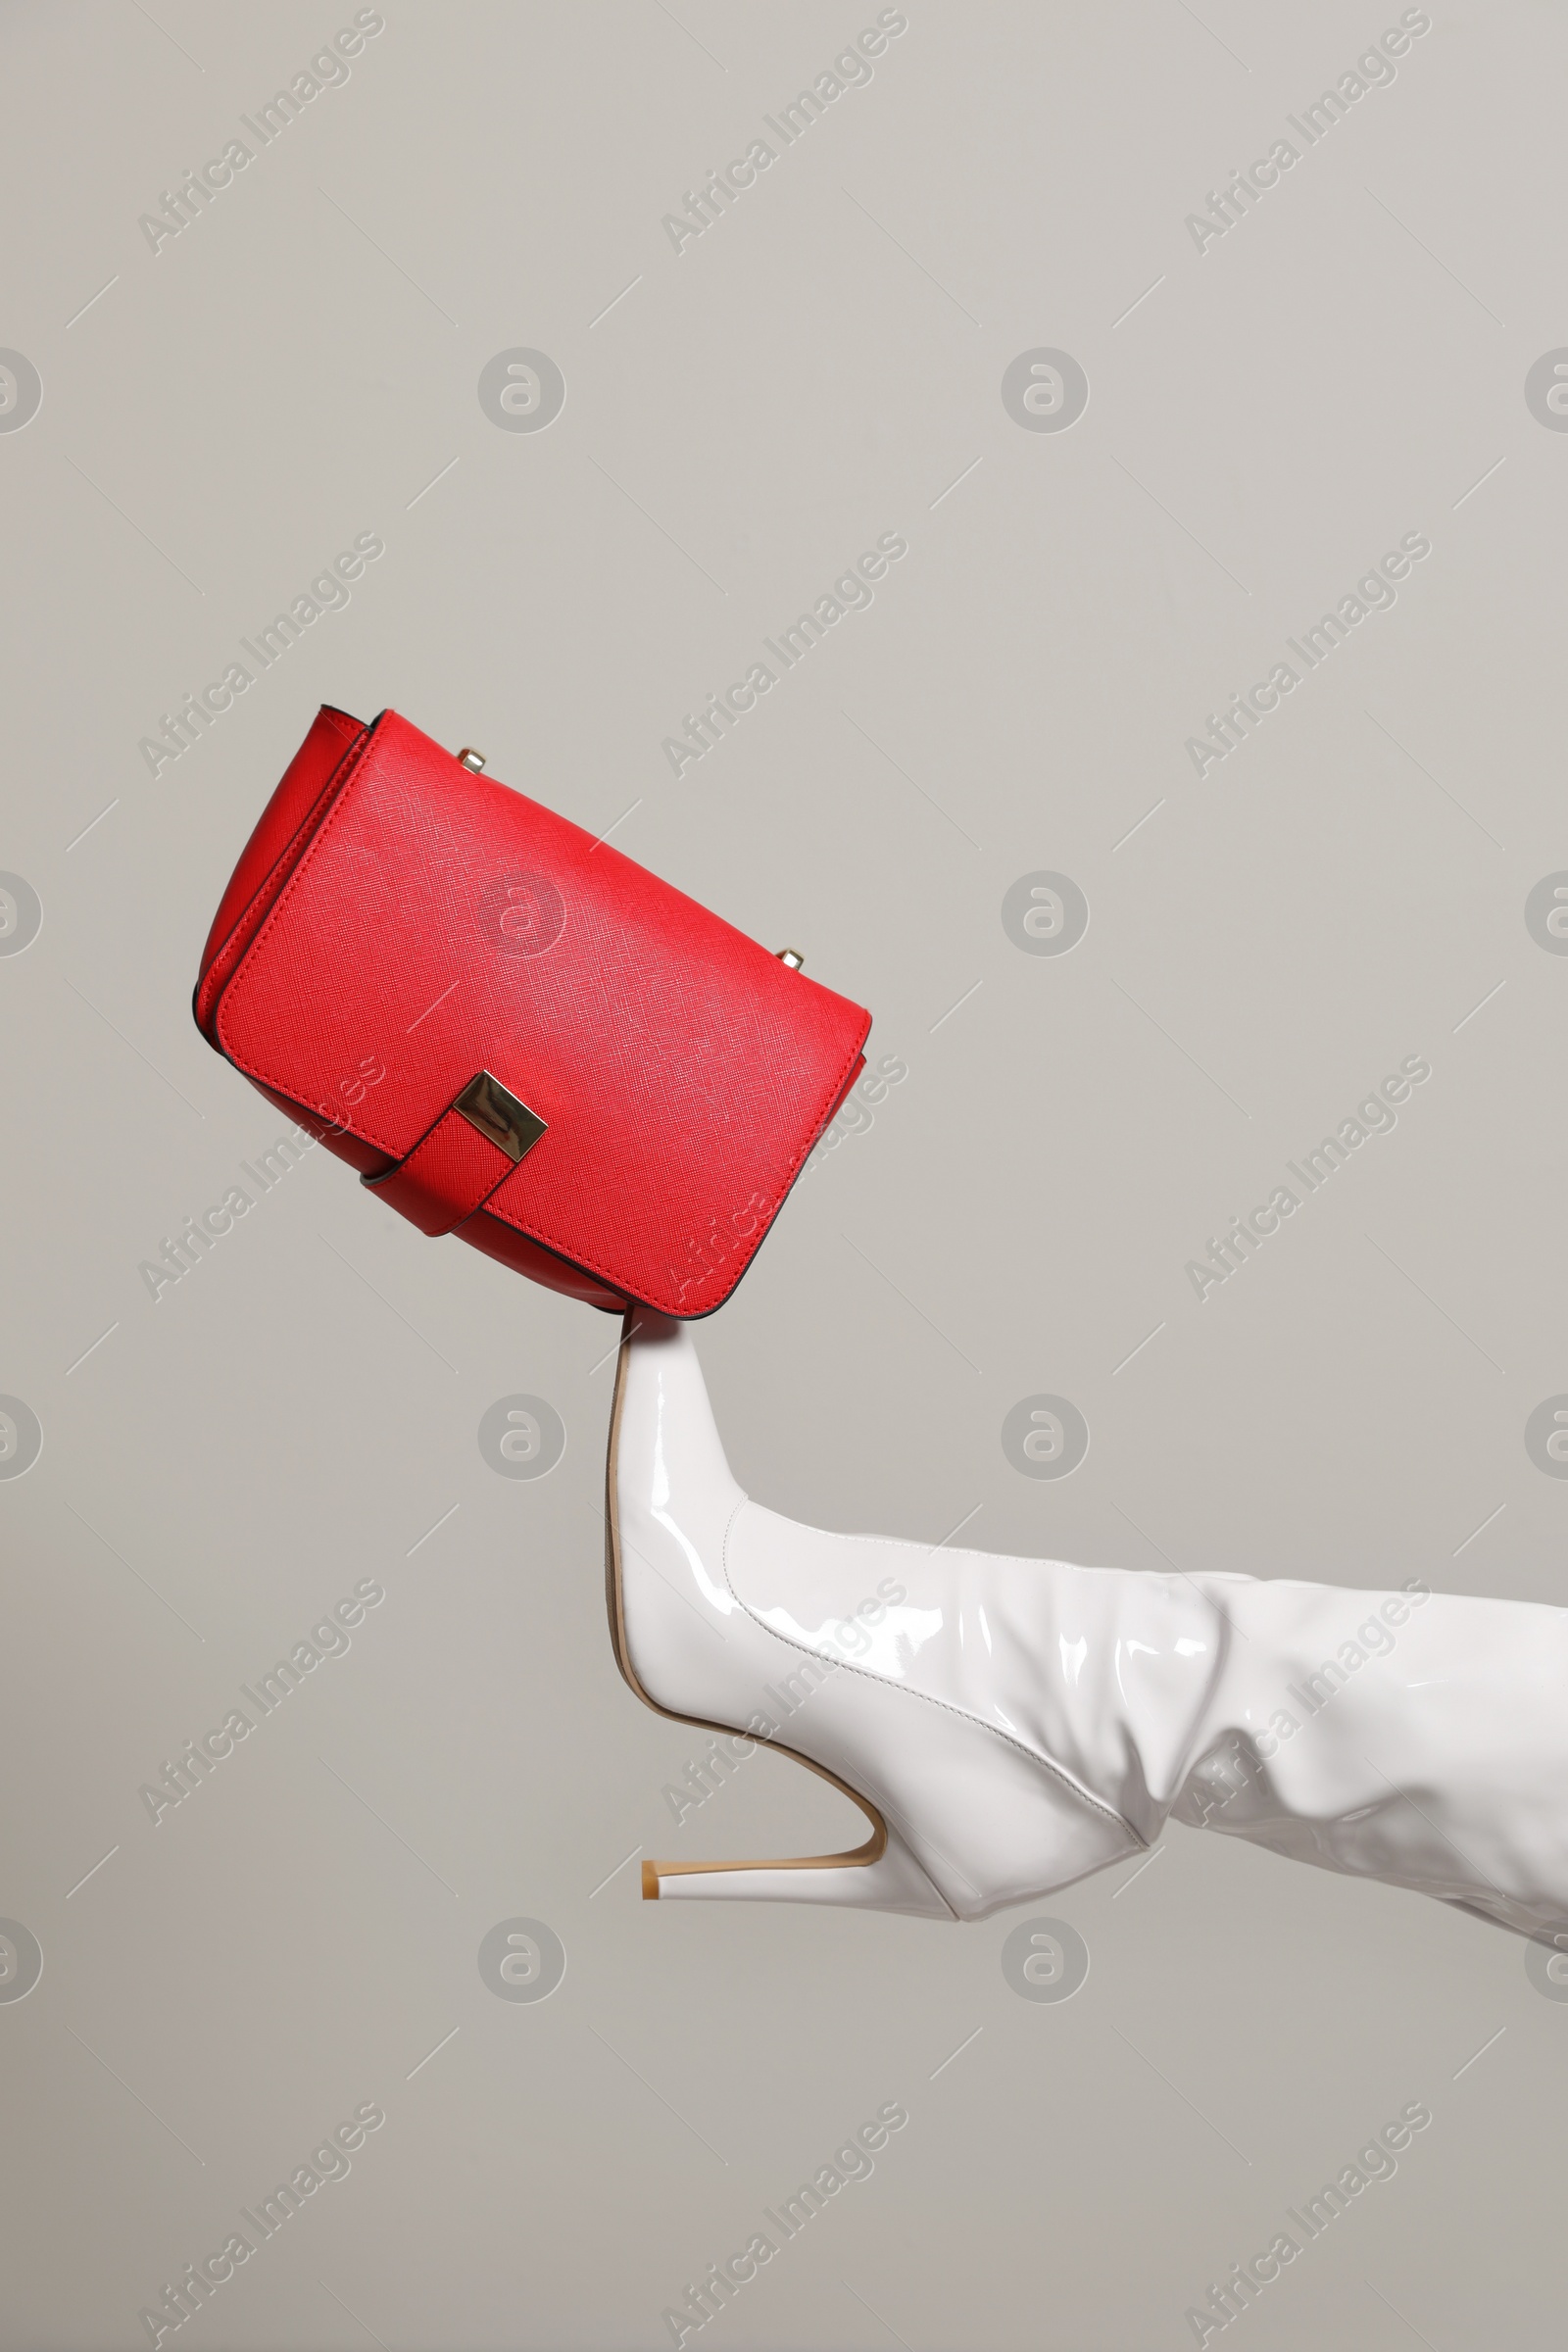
(650, 1881)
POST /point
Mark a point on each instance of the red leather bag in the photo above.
(511, 1031)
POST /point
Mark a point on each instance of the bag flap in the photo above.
(439, 924)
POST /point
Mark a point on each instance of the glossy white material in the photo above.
(1018, 1723)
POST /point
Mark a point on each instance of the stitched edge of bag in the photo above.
(336, 783)
(793, 1174)
(245, 970)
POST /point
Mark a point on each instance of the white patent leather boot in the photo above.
(1009, 1726)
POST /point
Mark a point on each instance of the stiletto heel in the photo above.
(717, 1621)
(868, 1856)
(890, 1877)
(882, 1874)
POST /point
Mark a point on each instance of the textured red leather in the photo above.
(515, 1249)
(446, 1177)
(266, 863)
(397, 924)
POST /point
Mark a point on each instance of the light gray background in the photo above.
(1342, 367)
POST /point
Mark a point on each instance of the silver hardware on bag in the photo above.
(792, 958)
(472, 759)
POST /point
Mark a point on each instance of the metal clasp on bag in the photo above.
(498, 1114)
(445, 1179)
